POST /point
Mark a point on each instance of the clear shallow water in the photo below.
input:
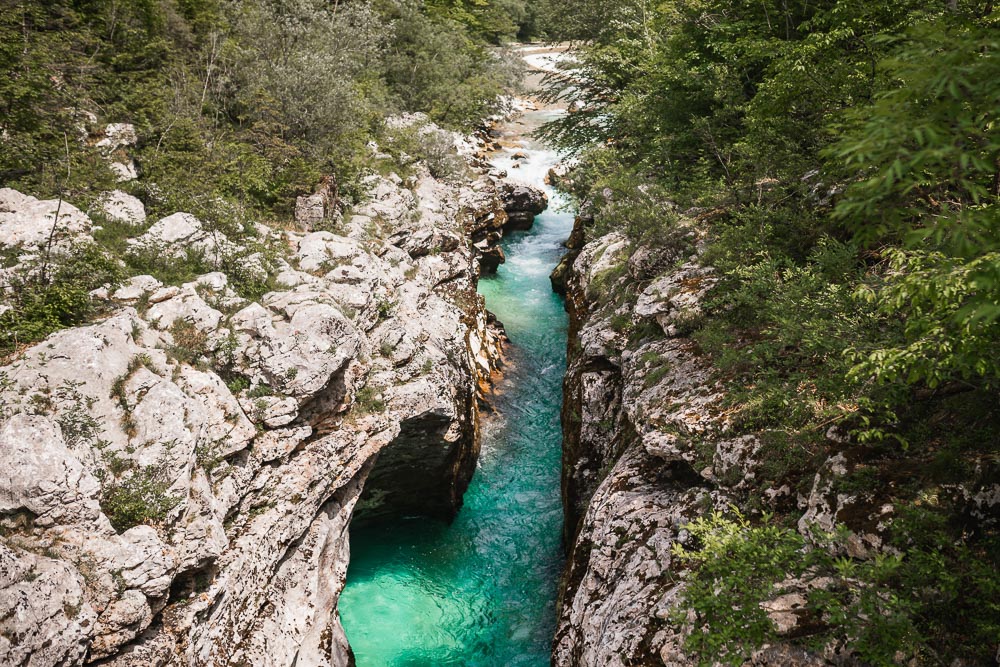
(481, 592)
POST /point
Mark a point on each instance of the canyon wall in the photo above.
(179, 476)
(649, 448)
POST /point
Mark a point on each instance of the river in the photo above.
(481, 591)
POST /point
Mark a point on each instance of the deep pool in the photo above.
(481, 592)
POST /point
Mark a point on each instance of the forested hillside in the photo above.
(252, 101)
(237, 106)
(838, 165)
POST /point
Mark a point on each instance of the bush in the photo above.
(136, 496)
(189, 342)
(936, 599)
(368, 401)
(737, 566)
(54, 293)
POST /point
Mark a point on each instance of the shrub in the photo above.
(737, 566)
(915, 602)
(189, 342)
(368, 401)
(137, 496)
(436, 148)
(53, 293)
(132, 494)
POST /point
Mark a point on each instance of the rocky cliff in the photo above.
(627, 486)
(179, 475)
(649, 447)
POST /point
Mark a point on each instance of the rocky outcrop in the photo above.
(114, 142)
(522, 203)
(312, 210)
(120, 206)
(574, 244)
(504, 206)
(31, 224)
(647, 449)
(180, 476)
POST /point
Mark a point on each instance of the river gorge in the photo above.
(482, 590)
(316, 352)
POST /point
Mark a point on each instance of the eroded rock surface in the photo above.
(179, 476)
(647, 449)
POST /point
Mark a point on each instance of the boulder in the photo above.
(45, 618)
(29, 222)
(122, 207)
(522, 203)
(490, 260)
(117, 136)
(124, 171)
(309, 211)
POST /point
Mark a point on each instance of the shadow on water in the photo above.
(482, 590)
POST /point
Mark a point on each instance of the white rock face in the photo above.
(116, 136)
(676, 297)
(310, 211)
(29, 222)
(124, 171)
(179, 477)
(175, 229)
(122, 207)
(46, 617)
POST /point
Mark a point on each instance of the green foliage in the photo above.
(917, 602)
(436, 67)
(840, 163)
(385, 308)
(930, 160)
(816, 320)
(952, 320)
(189, 342)
(435, 148)
(248, 102)
(927, 147)
(51, 293)
(261, 391)
(132, 495)
(737, 567)
(368, 400)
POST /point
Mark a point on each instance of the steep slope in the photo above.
(651, 454)
(180, 476)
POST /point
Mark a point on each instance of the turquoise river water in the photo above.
(481, 591)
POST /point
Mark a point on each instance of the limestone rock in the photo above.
(124, 171)
(244, 432)
(44, 616)
(647, 449)
(122, 207)
(309, 211)
(522, 203)
(136, 288)
(44, 478)
(675, 298)
(116, 136)
(29, 222)
(181, 233)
